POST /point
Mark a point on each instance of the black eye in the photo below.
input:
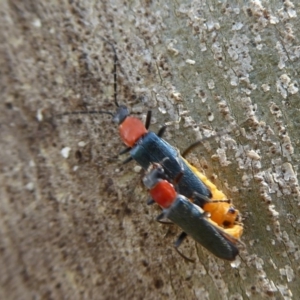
(160, 172)
(232, 210)
(226, 223)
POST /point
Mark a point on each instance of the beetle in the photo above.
(146, 147)
(192, 219)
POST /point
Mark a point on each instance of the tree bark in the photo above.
(74, 220)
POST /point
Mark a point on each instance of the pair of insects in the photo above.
(196, 205)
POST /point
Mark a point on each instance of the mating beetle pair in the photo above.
(219, 231)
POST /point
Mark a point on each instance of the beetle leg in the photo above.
(178, 242)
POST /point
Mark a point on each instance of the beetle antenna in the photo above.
(86, 113)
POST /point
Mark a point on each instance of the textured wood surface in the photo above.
(74, 223)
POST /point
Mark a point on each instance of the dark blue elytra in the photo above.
(153, 149)
(195, 224)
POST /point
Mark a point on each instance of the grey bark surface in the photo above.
(74, 222)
